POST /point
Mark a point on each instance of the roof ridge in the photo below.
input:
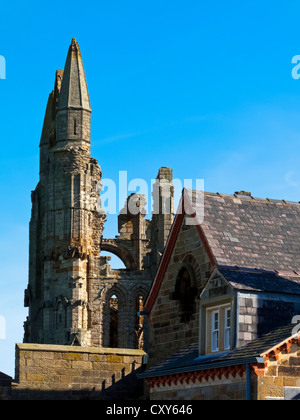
(258, 270)
(247, 197)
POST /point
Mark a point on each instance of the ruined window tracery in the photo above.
(139, 328)
(114, 321)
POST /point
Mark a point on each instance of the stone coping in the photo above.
(78, 349)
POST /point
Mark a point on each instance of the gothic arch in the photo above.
(139, 289)
(187, 283)
(122, 300)
(190, 262)
(111, 245)
(116, 289)
(139, 331)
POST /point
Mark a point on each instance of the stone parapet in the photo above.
(68, 372)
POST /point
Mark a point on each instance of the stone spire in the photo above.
(74, 92)
(73, 121)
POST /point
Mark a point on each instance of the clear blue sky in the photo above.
(202, 86)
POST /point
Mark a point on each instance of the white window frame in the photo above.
(227, 328)
(215, 332)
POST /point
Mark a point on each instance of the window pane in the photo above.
(227, 329)
(215, 331)
(226, 339)
(215, 341)
(215, 320)
(228, 315)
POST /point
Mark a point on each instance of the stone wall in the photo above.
(281, 379)
(169, 331)
(64, 372)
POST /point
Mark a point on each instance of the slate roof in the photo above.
(251, 232)
(261, 280)
(187, 360)
(240, 230)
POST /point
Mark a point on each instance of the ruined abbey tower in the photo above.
(74, 296)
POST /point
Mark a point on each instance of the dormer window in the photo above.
(218, 325)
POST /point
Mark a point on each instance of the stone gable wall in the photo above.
(168, 332)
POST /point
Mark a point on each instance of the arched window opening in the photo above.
(185, 293)
(114, 321)
(139, 327)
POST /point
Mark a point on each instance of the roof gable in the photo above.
(216, 286)
(184, 209)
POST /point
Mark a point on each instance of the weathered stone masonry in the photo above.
(71, 287)
(59, 372)
(170, 329)
(84, 336)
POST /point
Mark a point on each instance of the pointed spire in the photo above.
(74, 92)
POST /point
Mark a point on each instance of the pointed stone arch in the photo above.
(121, 294)
(139, 331)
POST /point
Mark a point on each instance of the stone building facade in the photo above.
(265, 369)
(73, 295)
(175, 316)
(224, 301)
(61, 372)
(220, 293)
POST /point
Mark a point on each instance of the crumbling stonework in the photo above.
(70, 284)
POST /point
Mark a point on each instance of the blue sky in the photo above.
(204, 87)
